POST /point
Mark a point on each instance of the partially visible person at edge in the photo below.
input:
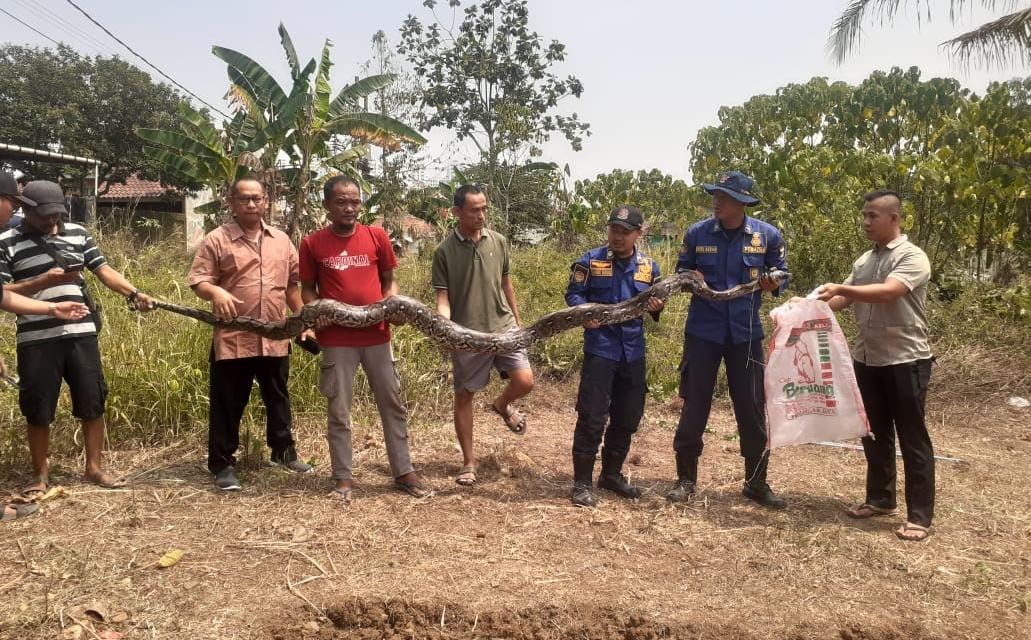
(728, 249)
(471, 278)
(17, 507)
(247, 268)
(10, 201)
(353, 263)
(610, 401)
(44, 258)
(887, 290)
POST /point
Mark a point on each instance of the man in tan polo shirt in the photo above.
(247, 268)
(888, 290)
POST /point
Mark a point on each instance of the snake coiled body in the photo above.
(402, 309)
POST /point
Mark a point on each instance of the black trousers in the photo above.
(230, 390)
(611, 393)
(894, 397)
(745, 365)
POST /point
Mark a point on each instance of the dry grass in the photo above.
(512, 558)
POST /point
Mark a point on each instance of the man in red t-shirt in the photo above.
(354, 263)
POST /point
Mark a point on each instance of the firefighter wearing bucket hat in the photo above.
(728, 249)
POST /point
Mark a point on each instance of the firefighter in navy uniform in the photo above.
(728, 249)
(610, 401)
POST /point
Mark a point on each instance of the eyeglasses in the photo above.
(249, 199)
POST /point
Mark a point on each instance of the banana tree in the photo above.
(201, 154)
(308, 126)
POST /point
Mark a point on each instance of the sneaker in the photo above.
(288, 460)
(226, 480)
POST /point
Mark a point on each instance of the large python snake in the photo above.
(402, 309)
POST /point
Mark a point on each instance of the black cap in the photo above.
(47, 196)
(9, 187)
(627, 217)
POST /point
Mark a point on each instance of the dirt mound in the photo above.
(399, 620)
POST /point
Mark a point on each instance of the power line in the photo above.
(19, 20)
(62, 23)
(41, 13)
(148, 62)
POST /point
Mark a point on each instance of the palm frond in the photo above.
(997, 44)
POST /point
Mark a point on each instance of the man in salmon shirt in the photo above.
(247, 268)
(353, 263)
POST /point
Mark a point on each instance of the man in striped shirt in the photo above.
(44, 259)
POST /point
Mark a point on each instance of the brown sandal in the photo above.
(466, 476)
(911, 532)
(514, 420)
(867, 510)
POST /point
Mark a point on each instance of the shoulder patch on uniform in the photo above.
(579, 275)
(707, 248)
(601, 268)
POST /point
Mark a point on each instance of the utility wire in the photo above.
(43, 14)
(42, 9)
(19, 20)
(148, 62)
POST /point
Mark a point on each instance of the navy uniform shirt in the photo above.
(598, 276)
(727, 259)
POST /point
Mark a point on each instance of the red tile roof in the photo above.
(135, 189)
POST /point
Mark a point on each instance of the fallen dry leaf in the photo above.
(110, 634)
(171, 558)
(55, 492)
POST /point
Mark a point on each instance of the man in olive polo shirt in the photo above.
(888, 290)
(470, 276)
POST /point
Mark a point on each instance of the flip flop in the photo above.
(341, 495)
(466, 476)
(35, 490)
(15, 510)
(867, 510)
(919, 533)
(514, 420)
(105, 480)
(414, 489)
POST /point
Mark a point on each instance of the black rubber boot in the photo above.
(611, 477)
(687, 478)
(755, 484)
(583, 486)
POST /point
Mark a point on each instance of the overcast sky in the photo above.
(654, 71)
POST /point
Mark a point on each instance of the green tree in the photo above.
(490, 80)
(58, 100)
(314, 131)
(960, 161)
(997, 43)
(312, 128)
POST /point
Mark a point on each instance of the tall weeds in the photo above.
(156, 364)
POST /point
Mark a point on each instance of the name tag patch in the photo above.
(753, 249)
(706, 248)
(601, 268)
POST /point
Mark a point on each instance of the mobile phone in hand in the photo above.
(75, 266)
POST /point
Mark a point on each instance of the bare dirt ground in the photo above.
(511, 558)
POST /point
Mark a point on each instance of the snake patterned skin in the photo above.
(402, 309)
